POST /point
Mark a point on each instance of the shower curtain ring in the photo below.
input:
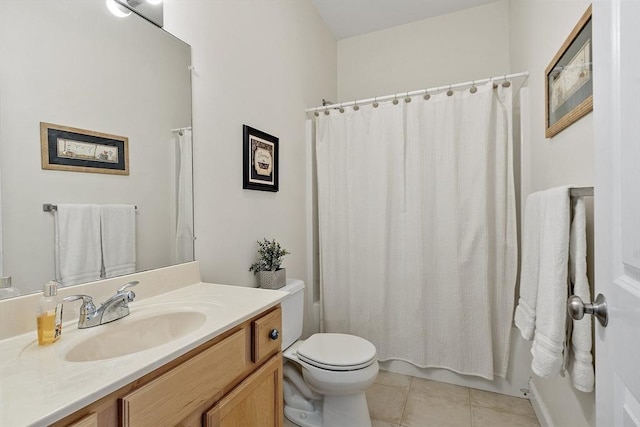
(355, 106)
(341, 109)
(473, 88)
(395, 99)
(326, 110)
(426, 95)
(407, 98)
(315, 113)
(375, 102)
(449, 92)
(506, 83)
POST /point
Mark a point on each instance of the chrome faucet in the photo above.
(114, 308)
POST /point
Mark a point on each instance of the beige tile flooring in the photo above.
(397, 400)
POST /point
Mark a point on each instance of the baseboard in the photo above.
(539, 407)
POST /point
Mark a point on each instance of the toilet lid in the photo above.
(337, 352)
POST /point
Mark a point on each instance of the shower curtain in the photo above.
(417, 228)
(184, 226)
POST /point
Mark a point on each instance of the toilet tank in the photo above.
(292, 311)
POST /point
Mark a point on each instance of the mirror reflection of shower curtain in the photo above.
(418, 229)
(184, 223)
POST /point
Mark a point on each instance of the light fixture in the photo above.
(117, 9)
(154, 2)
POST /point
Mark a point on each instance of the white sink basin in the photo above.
(133, 334)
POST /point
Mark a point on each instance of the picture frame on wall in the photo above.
(71, 149)
(569, 79)
(260, 158)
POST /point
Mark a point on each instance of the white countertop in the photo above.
(38, 386)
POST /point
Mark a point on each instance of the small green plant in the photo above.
(270, 256)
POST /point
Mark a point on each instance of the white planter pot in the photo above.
(272, 279)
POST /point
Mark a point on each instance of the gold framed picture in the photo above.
(569, 79)
(78, 150)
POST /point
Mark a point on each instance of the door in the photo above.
(616, 42)
(256, 402)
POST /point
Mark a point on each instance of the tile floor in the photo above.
(397, 400)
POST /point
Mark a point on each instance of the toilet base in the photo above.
(345, 410)
(303, 418)
(333, 411)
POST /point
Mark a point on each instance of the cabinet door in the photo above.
(90, 420)
(256, 402)
(170, 398)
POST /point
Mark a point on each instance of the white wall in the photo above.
(537, 30)
(259, 63)
(75, 64)
(457, 47)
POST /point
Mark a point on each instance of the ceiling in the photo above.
(348, 18)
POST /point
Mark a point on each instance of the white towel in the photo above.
(541, 311)
(580, 364)
(77, 252)
(118, 224)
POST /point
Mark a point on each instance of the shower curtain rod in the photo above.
(338, 105)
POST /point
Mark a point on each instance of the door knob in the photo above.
(577, 308)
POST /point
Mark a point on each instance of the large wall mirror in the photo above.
(73, 63)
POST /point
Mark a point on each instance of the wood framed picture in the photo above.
(569, 79)
(78, 150)
(260, 157)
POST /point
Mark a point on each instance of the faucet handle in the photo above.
(127, 286)
(88, 307)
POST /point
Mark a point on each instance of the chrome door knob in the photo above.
(577, 308)
(274, 334)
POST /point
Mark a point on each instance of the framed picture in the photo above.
(77, 150)
(260, 171)
(569, 79)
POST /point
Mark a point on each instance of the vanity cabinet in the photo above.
(233, 380)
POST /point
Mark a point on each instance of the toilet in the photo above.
(326, 375)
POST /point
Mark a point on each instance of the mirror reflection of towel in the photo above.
(118, 223)
(77, 252)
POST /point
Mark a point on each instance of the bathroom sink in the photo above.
(134, 334)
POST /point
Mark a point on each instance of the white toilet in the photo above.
(336, 371)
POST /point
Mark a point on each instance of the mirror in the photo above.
(73, 63)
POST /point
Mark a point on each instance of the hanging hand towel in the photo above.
(541, 311)
(118, 224)
(77, 252)
(581, 361)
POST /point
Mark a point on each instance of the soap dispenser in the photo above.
(49, 318)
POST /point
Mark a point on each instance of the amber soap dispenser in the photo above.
(49, 315)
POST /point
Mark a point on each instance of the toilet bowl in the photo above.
(326, 375)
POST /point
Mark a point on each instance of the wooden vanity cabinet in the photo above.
(234, 380)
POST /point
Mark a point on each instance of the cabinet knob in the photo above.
(274, 334)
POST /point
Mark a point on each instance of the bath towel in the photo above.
(541, 311)
(580, 365)
(77, 250)
(118, 224)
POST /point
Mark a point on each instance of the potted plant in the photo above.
(270, 275)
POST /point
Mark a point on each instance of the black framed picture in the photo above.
(260, 170)
(79, 150)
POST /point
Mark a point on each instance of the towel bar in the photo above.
(48, 207)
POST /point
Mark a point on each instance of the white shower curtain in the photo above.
(417, 228)
(184, 226)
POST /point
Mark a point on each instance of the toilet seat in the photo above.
(337, 352)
